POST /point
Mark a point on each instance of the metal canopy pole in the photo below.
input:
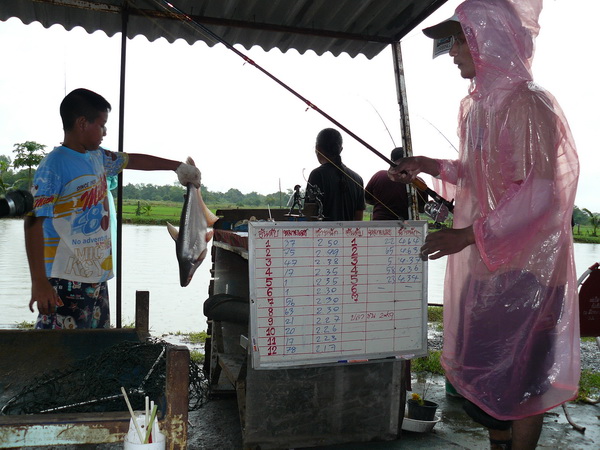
(404, 122)
(119, 246)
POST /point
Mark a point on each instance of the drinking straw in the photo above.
(151, 408)
(150, 424)
(137, 426)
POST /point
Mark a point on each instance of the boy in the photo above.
(67, 236)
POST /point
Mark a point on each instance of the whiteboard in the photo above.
(336, 292)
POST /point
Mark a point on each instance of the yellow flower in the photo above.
(417, 398)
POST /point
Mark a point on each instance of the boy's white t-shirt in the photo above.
(70, 190)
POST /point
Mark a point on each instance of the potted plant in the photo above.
(424, 368)
(420, 409)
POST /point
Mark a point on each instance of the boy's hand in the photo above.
(187, 173)
(46, 297)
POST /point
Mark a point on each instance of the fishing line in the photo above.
(418, 186)
(382, 121)
(186, 19)
(358, 184)
(354, 181)
(177, 13)
(440, 132)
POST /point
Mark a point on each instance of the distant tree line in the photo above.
(175, 193)
(18, 174)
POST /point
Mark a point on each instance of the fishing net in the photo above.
(94, 384)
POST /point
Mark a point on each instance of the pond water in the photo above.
(149, 263)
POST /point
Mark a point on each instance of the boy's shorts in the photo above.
(85, 305)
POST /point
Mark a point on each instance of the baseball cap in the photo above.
(447, 28)
(442, 35)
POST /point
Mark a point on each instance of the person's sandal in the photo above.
(483, 418)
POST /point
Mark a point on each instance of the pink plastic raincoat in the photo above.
(511, 342)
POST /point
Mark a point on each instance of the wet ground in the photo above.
(217, 426)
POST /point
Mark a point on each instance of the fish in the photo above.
(193, 236)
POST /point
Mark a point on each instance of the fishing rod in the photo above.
(442, 207)
(172, 9)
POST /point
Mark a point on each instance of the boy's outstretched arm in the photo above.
(186, 173)
(42, 291)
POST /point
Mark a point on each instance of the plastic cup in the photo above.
(158, 444)
(132, 439)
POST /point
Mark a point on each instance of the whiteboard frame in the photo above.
(256, 349)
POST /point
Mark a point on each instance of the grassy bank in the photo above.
(159, 212)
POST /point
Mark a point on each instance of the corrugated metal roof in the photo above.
(351, 26)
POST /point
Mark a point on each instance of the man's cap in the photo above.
(447, 28)
(442, 35)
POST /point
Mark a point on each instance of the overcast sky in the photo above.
(247, 132)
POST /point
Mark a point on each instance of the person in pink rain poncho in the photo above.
(511, 327)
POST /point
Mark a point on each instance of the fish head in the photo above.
(187, 267)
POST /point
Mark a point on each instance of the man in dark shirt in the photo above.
(390, 199)
(339, 188)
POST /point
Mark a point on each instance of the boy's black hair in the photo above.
(82, 102)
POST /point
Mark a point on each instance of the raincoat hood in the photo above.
(501, 36)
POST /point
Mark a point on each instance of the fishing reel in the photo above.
(437, 211)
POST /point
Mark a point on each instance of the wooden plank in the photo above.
(177, 395)
(142, 313)
(232, 366)
(62, 429)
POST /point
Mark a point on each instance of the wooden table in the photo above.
(295, 407)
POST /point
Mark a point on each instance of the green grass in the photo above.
(194, 338)
(151, 213)
(428, 364)
(197, 357)
(435, 314)
(197, 338)
(585, 234)
(159, 212)
(589, 385)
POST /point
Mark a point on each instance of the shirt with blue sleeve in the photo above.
(70, 191)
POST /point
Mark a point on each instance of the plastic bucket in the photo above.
(451, 390)
(422, 412)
